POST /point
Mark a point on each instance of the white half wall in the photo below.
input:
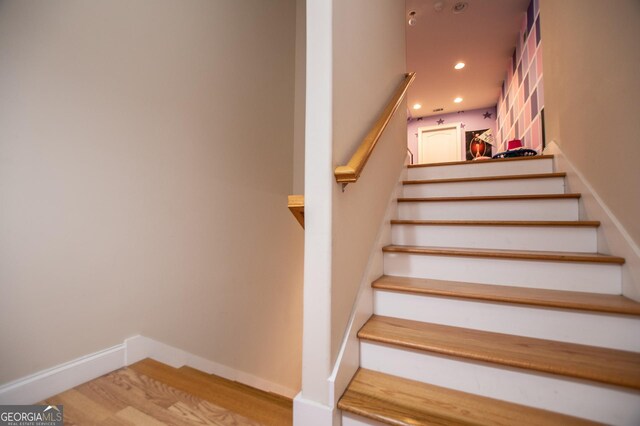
(355, 61)
(368, 65)
(316, 341)
(348, 360)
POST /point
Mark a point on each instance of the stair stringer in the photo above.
(348, 360)
(612, 236)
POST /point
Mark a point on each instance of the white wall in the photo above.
(355, 60)
(368, 65)
(318, 160)
(133, 197)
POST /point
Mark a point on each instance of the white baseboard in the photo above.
(140, 347)
(348, 359)
(612, 236)
(45, 383)
(310, 413)
(51, 381)
(349, 419)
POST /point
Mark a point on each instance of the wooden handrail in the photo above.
(351, 171)
(296, 206)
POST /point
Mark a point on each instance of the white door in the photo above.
(439, 144)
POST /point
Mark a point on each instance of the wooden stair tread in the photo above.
(610, 366)
(490, 198)
(558, 223)
(507, 254)
(485, 178)
(519, 295)
(494, 160)
(397, 401)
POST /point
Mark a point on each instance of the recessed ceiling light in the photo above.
(460, 7)
(459, 65)
(457, 100)
(417, 106)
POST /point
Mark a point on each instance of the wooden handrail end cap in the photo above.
(345, 174)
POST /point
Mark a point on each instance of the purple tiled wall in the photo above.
(521, 98)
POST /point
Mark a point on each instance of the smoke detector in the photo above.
(438, 6)
(412, 18)
(460, 7)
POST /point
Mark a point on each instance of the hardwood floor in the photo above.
(152, 393)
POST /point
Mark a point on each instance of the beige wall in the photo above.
(134, 197)
(368, 64)
(592, 93)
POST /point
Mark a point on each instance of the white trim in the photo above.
(319, 186)
(307, 412)
(457, 126)
(140, 347)
(45, 383)
(311, 413)
(350, 419)
(612, 236)
(348, 360)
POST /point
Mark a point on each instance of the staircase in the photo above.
(495, 307)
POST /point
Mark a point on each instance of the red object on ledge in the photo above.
(514, 144)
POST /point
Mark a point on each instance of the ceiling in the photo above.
(483, 37)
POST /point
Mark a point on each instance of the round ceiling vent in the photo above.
(460, 7)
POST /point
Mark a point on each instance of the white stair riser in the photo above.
(594, 329)
(349, 419)
(541, 209)
(573, 239)
(611, 405)
(572, 276)
(495, 187)
(499, 168)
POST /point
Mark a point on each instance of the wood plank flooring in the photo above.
(152, 393)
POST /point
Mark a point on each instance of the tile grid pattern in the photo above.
(522, 95)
